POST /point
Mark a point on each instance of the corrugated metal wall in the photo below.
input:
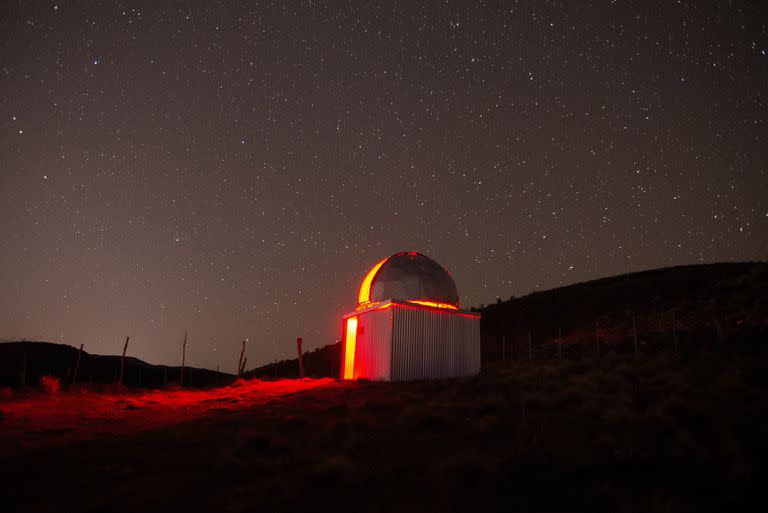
(428, 344)
(373, 345)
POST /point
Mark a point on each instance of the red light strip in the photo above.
(349, 348)
(419, 306)
(364, 296)
(447, 306)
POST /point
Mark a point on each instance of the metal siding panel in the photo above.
(373, 347)
(406, 357)
(428, 344)
(393, 371)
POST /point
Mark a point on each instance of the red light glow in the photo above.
(364, 296)
(445, 311)
(419, 305)
(434, 304)
(85, 415)
(349, 348)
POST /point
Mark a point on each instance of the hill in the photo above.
(322, 362)
(684, 305)
(24, 363)
(651, 434)
(692, 304)
(662, 306)
(675, 429)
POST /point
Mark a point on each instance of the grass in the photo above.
(656, 433)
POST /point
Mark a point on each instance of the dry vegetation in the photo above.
(656, 433)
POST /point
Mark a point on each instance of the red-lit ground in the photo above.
(656, 434)
(35, 420)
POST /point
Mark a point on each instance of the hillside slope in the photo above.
(701, 299)
(26, 362)
(650, 434)
(705, 301)
(322, 362)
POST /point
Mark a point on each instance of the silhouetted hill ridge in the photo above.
(699, 297)
(699, 293)
(59, 360)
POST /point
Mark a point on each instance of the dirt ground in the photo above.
(655, 434)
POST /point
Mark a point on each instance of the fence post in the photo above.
(530, 348)
(634, 332)
(560, 343)
(240, 362)
(77, 365)
(597, 339)
(719, 328)
(674, 332)
(23, 374)
(183, 359)
(503, 349)
(122, 361)
(301, 359)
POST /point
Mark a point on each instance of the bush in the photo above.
(50, 384)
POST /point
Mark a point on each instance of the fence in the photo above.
(636, 334)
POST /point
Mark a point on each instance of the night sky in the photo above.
(235, 169)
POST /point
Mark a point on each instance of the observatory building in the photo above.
(408, 325)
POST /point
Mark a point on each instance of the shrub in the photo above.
(50, 384)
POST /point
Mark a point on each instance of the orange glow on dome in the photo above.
(365, 288)
(443, 311)
(447, 308)
(349, 346)
(371, 304)
(434, 304)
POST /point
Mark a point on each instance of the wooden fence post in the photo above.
(23, 374)
(503, 349)
(530, 348)
(301, 359)
(674, 332)
(240, 362)
(634, 332)
(597, 339)
(122, 362)
(183, 359)
(719, 328)
(77, 365)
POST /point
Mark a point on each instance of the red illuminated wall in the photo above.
(439, 341)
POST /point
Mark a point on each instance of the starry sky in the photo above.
(234, 169)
